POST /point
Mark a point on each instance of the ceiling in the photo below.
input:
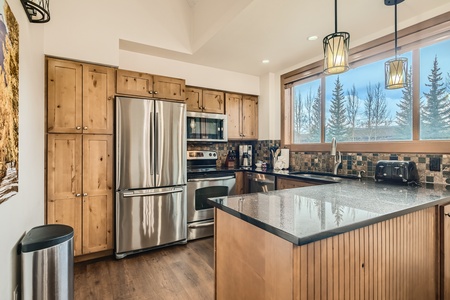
(239, 35)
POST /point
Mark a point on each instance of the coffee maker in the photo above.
(245, 155)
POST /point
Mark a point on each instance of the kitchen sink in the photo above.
(322, 176)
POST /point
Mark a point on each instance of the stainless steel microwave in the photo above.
(206, 127)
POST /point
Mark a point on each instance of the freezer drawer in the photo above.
(150, 218)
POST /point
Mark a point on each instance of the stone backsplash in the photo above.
(323, 161)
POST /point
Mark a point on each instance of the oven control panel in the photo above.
(192, 155)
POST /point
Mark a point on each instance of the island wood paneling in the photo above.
(393, 259)
(250, 263)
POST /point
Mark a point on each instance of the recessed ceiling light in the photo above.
(312, 38)
(265, 61)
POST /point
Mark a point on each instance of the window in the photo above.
(356, 109)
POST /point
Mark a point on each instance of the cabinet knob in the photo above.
(78, 128)
(85, 127)
(155, 92)
(85, 194)
(150, 92)
(77, 195)
(447, 214)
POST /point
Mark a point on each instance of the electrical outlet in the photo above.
(16, 293)
(435, 164)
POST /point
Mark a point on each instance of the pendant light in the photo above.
(37, 10)
(395, 70)
(336, 48)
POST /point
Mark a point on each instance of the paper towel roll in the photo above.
(285, 154)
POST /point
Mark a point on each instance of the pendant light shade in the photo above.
(335, 48)
(395, 70)
(37, 10)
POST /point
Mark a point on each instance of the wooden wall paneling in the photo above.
(445, 248)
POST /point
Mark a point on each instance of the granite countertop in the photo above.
(308, 214)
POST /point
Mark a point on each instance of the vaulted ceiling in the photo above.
(237, 35)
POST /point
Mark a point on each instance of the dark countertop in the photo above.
(308, 214)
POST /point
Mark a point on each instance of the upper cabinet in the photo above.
(147, 85)
(207, 101)
(80, 97)
(242, 112)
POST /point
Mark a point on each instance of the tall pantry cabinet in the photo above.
(80, 105)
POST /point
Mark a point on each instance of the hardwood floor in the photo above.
(176, 272)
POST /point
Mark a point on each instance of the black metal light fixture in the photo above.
(336, 48)
(395, 70)
(37, 10)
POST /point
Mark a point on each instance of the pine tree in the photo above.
(297, 116)
(435, 113)
(404, 112)
(352, 110)
(314, 126)
(368, 110)
(380, 113)
(337, 123)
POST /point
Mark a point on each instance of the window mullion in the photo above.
(416, 95)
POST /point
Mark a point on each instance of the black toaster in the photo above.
(396, 171)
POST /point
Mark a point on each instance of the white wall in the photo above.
(26, 209)
(195, 75)
(269, 107)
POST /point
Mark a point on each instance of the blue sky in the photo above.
(374, 73)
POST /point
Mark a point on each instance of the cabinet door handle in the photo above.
(447, 214)
(77, 195)
(78, 128)
(155, 92)
(85, 127)
(85, 194)
(150, 92)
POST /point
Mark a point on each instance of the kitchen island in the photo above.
(349, 240)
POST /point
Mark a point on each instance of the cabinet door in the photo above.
(286, 183)
(98, 98)
(134, 83)
(445, 251)
(64, 201)
(97, 193)
(250, 117)
(233, 108)
(213, 102)
(240, 188)
(194, 99)
(169, 88)
(64, 96)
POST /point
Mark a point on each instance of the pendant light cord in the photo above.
(335, 16)
(395, 29)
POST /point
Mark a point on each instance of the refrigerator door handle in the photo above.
(152, 137)
(157, 137)
(144, 194)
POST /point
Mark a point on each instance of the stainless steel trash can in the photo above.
(47, 263)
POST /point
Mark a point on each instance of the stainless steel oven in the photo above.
(205, 181)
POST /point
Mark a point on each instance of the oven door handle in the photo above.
(211, 179)
(201, 225)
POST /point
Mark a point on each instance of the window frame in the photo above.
(409, 39)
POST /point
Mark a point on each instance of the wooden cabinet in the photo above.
(80, 97)
(444, 216)
(147, 85)
(289, 183)
(79, 188)
(240, 184)
(80, 114)
(201, 100)
(242, 112)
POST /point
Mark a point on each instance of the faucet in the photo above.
(337, 158)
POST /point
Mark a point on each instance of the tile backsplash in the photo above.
(323, 161)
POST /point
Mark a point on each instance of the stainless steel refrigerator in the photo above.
(150, 174)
